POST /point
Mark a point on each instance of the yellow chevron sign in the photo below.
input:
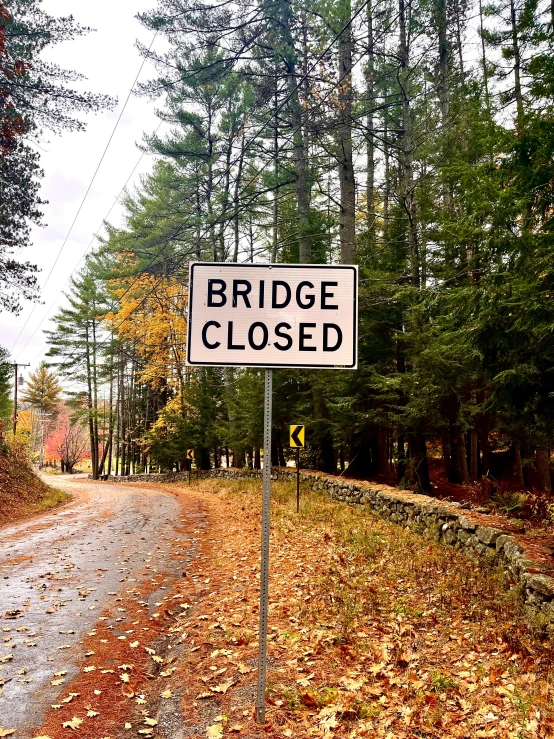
(296, 436)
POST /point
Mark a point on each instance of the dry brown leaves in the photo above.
(373, 631)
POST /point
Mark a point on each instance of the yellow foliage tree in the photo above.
(152, 316)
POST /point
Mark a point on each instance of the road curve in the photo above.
(59, 571)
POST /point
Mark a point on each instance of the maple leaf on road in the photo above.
(73, 724)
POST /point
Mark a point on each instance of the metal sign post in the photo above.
(190, 459)
(264, 566)
(298, 480)
(270, 316)
(296, 441)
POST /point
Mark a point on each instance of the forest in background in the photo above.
(412, 137)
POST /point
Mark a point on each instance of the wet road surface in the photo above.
(59, 571)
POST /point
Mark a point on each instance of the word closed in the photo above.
(286, 315)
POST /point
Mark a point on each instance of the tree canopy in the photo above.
(35, 96)
(370, 133)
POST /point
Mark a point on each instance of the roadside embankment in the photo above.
(484, 537)
(372, 631)
(22, 492)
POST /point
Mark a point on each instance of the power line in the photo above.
(208, 228)
(274, 113)
(86, 192)
(84, 253)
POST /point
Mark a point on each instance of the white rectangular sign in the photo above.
(278, 315)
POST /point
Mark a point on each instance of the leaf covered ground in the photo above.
(373, 633)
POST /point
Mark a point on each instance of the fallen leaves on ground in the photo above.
(215, 731)
(73, 724)
(373, 631)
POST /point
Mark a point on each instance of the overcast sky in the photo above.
(110, 61)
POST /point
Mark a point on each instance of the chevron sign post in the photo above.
(296, 441)
(272, 316)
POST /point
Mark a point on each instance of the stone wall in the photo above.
(486, 537)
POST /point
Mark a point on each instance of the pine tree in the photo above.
(43, 389)
(36, 96)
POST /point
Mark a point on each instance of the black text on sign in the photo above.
(273, 315)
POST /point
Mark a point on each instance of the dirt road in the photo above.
(59, 572)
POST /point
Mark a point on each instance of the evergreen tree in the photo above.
(78, 343)
(43, 389)
(36, 96)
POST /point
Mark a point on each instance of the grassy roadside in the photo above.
(373, 631)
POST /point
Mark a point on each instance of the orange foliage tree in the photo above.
(68, 442)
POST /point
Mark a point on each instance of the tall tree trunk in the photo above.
(210, 183)
(518, 464)
(401, 454)
(301, 177)
(90, 403)
(474, 456)
(370, 147)
(251, 239)
(459, 41)
(461, 458)
(419, 464)
(406, 184)
(275, 203)
(484, 57)
(444, 55)
(386, 183)
(443, 86)
(347, 215)
(517, 66)
(321, 417)
(383, 446)
(543, 470)
(226, 187)
(282, 461)
(284, 22)
(485, 450)
(236, 220)
(446, 453)
(119, 410)
(95, 394)
(112, 417)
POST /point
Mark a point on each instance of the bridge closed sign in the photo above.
(279, 315)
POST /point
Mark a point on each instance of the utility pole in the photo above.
(43, 417)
